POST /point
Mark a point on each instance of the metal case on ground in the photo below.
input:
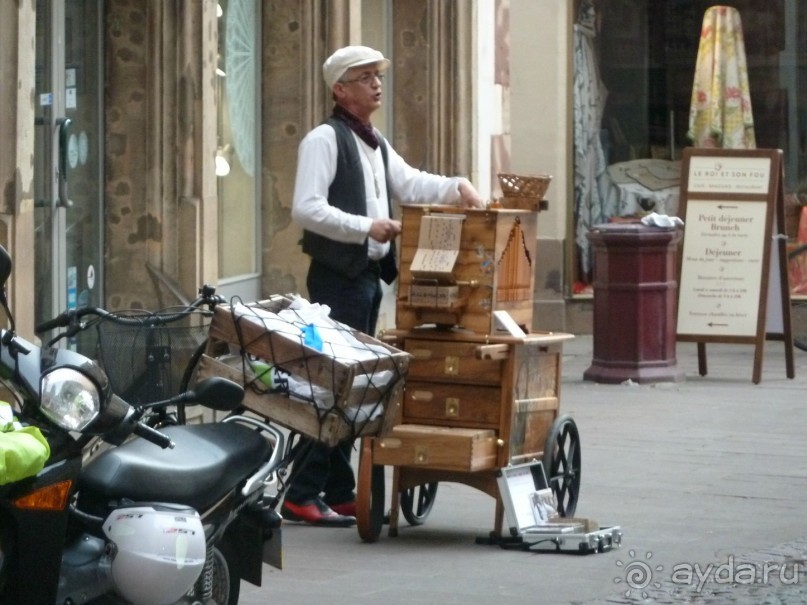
(519, 486)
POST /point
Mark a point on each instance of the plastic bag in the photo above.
(311, 337)
(661, 220)
(23, 449)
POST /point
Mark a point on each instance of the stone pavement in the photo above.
(707, 478)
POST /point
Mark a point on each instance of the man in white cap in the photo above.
(347, 175)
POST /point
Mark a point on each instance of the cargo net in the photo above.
(147, 355)
(344, 375)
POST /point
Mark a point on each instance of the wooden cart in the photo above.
(472, 405)
(477, 398)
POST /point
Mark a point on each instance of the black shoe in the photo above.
(315, 512)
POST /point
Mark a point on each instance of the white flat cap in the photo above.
(343, 59)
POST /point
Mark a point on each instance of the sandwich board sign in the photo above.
(733, 264)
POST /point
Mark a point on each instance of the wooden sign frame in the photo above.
(733, 263)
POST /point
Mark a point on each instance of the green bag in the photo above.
(23, 449)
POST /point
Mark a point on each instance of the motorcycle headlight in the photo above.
(69, 398)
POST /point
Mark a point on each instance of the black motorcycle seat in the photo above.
(208, 460)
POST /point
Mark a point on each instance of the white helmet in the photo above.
(160, 551)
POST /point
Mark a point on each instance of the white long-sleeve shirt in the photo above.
(316, 170)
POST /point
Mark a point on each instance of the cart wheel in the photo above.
(562, 463)
(417, 502)
(369, 494)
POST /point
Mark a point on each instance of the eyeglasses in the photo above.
(366, 79)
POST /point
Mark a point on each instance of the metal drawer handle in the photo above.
(422, 396)
(421, 353)
(421, 454)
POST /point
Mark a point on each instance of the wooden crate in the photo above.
(341, 397)
(494, 269)
(441, 448)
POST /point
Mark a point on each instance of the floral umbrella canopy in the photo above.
(720, 110)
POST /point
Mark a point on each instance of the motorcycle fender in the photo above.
(251, 545)
(273, 548)
(270, 521)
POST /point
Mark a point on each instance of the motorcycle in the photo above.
(156, 517)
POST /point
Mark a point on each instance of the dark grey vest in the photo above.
(347, 193)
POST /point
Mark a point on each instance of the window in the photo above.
(635, 65)
(238, 152)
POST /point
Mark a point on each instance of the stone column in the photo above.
(196, 137)
(432, 88)
(297, 38)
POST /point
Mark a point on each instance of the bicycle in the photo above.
(797, 273)
(147, 355)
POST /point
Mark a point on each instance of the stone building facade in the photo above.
(458, 89)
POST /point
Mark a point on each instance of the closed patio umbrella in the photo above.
(720, 109)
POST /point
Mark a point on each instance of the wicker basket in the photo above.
(514, 185)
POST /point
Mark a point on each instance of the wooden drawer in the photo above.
(452, 404)
(451, 361)
(437, 447)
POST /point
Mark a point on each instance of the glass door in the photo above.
(68, 156)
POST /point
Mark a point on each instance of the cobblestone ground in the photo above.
(773, 576)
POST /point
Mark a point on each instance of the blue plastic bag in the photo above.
(312, 338)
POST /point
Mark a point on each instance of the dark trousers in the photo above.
(354, 302)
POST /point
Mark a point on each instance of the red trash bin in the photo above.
(635, 303)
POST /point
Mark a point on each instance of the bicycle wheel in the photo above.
(417, 502)
(797, 277)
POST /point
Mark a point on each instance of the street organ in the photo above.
(483, 390)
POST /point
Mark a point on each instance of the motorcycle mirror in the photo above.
(218, 393)
(5, 273)
(5, 266)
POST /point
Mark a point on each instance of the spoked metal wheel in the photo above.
(417, 502)
(562, 463)
(224, 583)
(369, 494)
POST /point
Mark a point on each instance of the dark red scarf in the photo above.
(364, 130)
